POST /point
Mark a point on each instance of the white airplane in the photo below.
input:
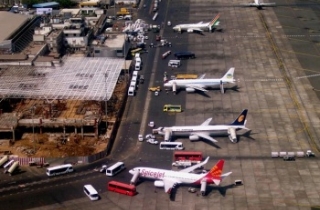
(198, 27)
(204, 130)
(200, 84)
(170, 179)
(259, 4)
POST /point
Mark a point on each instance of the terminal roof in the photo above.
(10, 22)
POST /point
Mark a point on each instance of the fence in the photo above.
(26, 160)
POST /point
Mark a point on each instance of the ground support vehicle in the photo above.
(122, 188)
(153, 89)
(172, 108)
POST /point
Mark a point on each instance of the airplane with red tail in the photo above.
(170, 179)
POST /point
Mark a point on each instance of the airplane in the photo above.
(198, 27)
(200, 84)
(170, 179)
(259, 4)
(204, 130)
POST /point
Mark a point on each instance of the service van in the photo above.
(171, 145)
(131, 91)
(174, 63)
(172, 108)
(115, 169)
(92, 193)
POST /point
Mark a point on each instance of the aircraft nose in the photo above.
(131, 171)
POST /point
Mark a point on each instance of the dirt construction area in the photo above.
(74, 128)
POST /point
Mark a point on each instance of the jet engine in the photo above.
(190, 30)
(159, 183)
(194, 137)
(167, 135)
(203, 187)
(232, 135)
(190, 90)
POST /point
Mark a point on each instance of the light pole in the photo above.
(33, 136)
(106, 101)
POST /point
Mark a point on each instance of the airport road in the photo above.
(270, 64)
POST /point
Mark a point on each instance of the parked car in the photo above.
(192, 190)
(289, 158)
(103, 168)
(151, 124)
(140, 137)
(169, 23)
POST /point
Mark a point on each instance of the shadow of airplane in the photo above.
(235, 88)
(210, 189)
(222, 189)
(211, 143)
(247, 134)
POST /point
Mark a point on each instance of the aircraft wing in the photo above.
(192, 168)
(249, 4)
(206, 122)
(268, 4)
(195, 30)
(197, 87)
(258, 5)
(169, 183)
(202, 76)
(204, 135)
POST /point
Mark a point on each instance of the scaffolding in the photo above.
(78, 78)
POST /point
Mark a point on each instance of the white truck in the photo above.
(184, 163)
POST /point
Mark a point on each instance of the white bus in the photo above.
(58, 170)
(171, 145)
(115, 168)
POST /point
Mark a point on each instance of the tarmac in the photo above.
(275, 60)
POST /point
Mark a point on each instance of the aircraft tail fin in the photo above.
(216, 172)
(228, 77)
(241, 119)
(214, 21)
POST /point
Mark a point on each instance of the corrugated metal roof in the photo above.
(46, 4)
